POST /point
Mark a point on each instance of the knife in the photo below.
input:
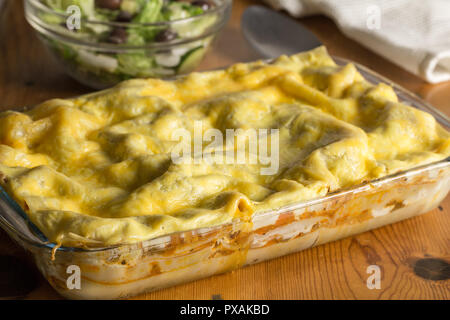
(273, 34)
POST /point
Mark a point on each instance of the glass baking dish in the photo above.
(127, 270)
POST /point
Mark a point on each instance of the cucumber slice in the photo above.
(99, 61)
(167, 60)
(130, 6)
(191, 59)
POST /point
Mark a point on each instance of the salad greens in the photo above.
(115, 66)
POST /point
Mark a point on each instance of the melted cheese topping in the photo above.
(96, 170)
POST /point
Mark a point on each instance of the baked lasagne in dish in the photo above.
(98, 170)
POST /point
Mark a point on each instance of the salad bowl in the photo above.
(103, 42)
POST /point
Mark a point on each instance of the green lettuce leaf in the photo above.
(135, 64)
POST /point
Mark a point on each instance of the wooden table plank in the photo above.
(28, 75)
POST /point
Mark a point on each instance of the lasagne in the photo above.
(98, 170)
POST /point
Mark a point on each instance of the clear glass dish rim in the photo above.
(224, 4)
(112, 48)
(366, 72)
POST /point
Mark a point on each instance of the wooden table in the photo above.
(406, 252)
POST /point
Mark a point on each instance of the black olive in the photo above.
(108, 4)
(165, 35)
(124, 16)
(118, 36)
(204, 4)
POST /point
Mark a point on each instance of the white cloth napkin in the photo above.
(415, 34)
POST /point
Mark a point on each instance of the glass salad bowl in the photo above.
(103, 42)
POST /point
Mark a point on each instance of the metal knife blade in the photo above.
(273, 34)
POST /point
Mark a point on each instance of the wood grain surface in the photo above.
(411, 253)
